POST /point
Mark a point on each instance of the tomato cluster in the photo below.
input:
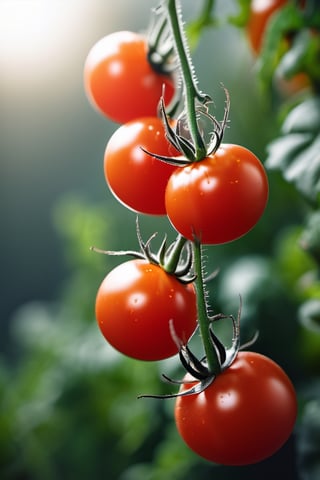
(149, 311)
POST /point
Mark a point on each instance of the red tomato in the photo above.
(135, 305)
(218, 199)
(243, 417)
(119, 80)
(137, 179)
(260, 13)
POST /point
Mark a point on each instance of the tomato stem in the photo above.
(213, 362)
(171, 263)
(189, 81)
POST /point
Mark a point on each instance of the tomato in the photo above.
(119, 80)
(218, 199)
(137, 179)
(135, 305)
(243, 417)
(260, 13)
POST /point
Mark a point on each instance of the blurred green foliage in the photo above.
(69, 406)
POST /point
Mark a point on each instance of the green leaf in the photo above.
(305, 117)
(297, 152)
(295, 60)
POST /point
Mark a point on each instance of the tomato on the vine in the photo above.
(136, 178)
(140, 308)
(219, 198)
(260, 13)
(119, 80)
(243, 417)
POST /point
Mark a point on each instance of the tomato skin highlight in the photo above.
(137, 179)
(220, 198)
(243, 417)
(134, 307)
(119, 81)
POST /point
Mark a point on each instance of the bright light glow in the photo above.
(36, 36)
(27, 28)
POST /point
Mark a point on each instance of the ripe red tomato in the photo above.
(243, 417)
(137, 179)
(119, 80)
(260, 13)
(134, 307)
(218, 199)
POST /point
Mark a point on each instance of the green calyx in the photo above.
(175, 259)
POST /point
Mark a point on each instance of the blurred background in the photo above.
(68, 401)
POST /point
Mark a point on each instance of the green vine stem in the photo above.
(191, 92)
(192, 98)
(203, 320)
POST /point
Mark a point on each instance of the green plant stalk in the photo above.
(188, 81)
(203, 320)
(192, 95)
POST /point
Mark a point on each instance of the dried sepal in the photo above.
(231, 352)
(211, 276)
(199, 387)
(184, 267)
(198, 369)
(218, 346)
(192, 365)
(119, 253)
(248, 344)
(161, 255)
(175, 161)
